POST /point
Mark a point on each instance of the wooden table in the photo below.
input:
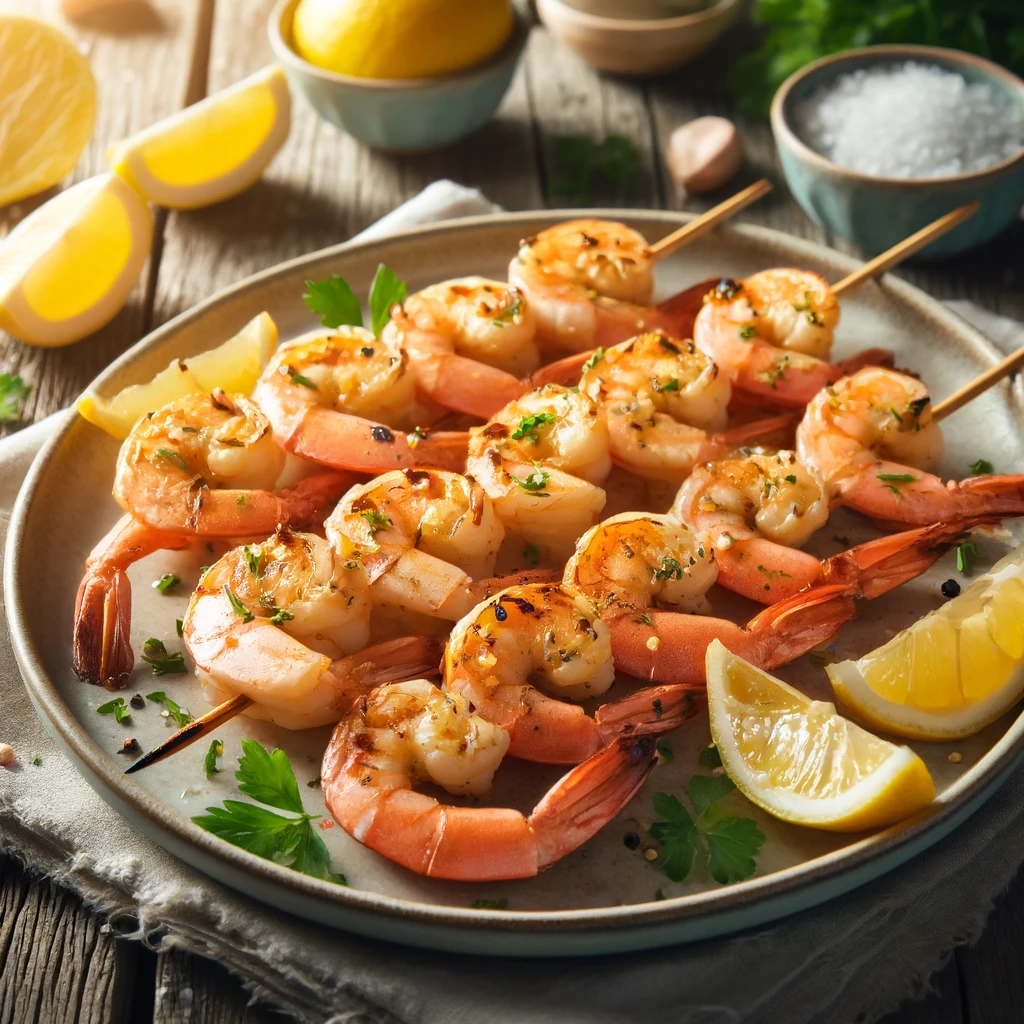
(57, 961)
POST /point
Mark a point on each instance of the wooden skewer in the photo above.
(901, 250)
(711, 218)
(1011, 364)
(195, 730)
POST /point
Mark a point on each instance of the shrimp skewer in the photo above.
(871, 439)
(403, 733)
(201, 466)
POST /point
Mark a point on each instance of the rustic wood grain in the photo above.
(57, 963)
(142, 75)
(942, 1005)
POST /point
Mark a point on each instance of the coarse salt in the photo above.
(910, 120)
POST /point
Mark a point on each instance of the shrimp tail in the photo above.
(868, 357)
(582, 802)
(782, 423)
(465, 385)
(405, 657)
(565, 371)
(654, 711)
(679, 311)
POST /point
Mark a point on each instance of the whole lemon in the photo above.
(399, 38)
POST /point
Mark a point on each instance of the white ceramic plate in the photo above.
(601, 898)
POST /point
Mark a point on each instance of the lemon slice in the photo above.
(800, 760)
(67, 268)
(233, 366)
(212, 150)
(953, 671)
(47, 106)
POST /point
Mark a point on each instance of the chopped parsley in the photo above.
(889, 481)
(670, 570)
(665, 752)
(13, 392)
(155, 655)
(529, 425)
(378, 520)
(180, 715)
(117, 708)
(672, 385)
(709, 757)
(290, 840)
(644, 620)
(966, 555)
(531, 553)
(578, 164)
(791, 479)
(253, 557)
(593, 360)
(166, 583)
(981, 467)
(179, 627)
(173, 457)
(416, 435)
(748, 331)
(236, 606)
(210, 763)
(899, 418)
(297, 378)
(535, 482)
(281, 615)
(240, 501)
(511, 311)
(728, 844)
(37, 761)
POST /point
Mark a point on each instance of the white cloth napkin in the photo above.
(852, 959)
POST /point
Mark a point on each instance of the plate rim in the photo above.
(826, 869)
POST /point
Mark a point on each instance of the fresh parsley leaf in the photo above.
(748, 331)
(728, 844)
(155, 655)
(253, 556)
(166, 583)
(511, 311)
(665, 752)
(173, 457)
(529, 425)
(180, 715)
(210, 764)
(385, 291)
(117, 708)
(709, 757)
(897, 478)
(13, 392)
(240, 501)
(981, 467)
(37, 761)
(593, 360)
(535, 482)
(378, 520)
(670, 570)
(297, 378)
(791, 479)
(500, 904)
(966, 555)
(236, 606)
(335, 301)
(267, 776)
(531, 554)
(281, 615)
(179, 626)
(672, 385)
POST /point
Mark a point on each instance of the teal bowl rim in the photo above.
(605, 22)
(283, 50)
(783, 132)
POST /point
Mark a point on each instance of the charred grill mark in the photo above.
(495, 430)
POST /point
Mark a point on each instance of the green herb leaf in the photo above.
(705, 790)
(659, 894)
(415, 435)
(709, 757)
(529, 425)
(155, 655)
(791, 479)
(535, 482)
(531, 554)
(334, 301)
(670, 570)
(13, 392)
(748, 331)
(297, 378)
(253, 557)
(210, 764)
(166, 583)
(281, 615)
(378, 520)
(237, 607)
(511, 311)
(117, 708)
(500, 904)
(37, 761)
(966, 555)
(677, 836)
(267, 776)
(896, 478)
(385, 292)
(665, 752)
(733, 844)
(672, 385)
(180, 715)
(981, 467)
(593, 360)
(173, 457)
(240, 501)
(179, 627)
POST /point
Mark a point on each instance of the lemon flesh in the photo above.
(212, 150)
(399, 39)
(233, 366)
(800, 760)
(952, 672)
(47, 106)
(68, 267)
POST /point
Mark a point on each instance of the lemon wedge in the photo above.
(67, 268)
(800, 760)
(951, 672)
(212, 150)
(399, 39)
(47, 106)
(233, 366)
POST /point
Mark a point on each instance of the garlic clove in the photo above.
(704, 154)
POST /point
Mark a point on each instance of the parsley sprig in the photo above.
(966, 555)
(210, 763)
(117, 708)
(728, 844)
(338, 306)
(289, 839)
(13, 392)
(981, 467)
(529, 425)
(155, 654)
(182, 716)
(535, 482)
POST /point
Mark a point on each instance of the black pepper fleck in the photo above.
(382, 434)
(950, 588)
(137, 702)
(632, 841)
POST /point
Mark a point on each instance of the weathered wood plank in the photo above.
(942, 1005)
(142, 76)
(200, 991)
(57, 962)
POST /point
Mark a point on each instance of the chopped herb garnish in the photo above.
(665, 752)
(240, 501)
(966, 555)
(670, 570)
(501, 904)
(254, 556)
(237, 607)
(117, 708)
(13, 392)
(981, 467)
(593, 360)
(511, 311)
(335, 301)
(899, 418)
(531, 554)
(748, 331)
(155, 655)
(644, 620)
(672, 385)
(378, 520)
(210, 764)
(709, 757)
(37, 761)
(166, 583)
(658, 894)
(897, 478)
(297, 378)
(179, 627)
(729, 844)
(529, 425)
(173, 457)
(535, 482)
(281, 615)
(385, 291)
(791, 479)
(180, 715)
(314, 783)
(416, 435)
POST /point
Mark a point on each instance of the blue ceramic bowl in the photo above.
(400, 114)
(876, 213)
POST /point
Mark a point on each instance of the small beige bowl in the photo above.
(637, 46)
